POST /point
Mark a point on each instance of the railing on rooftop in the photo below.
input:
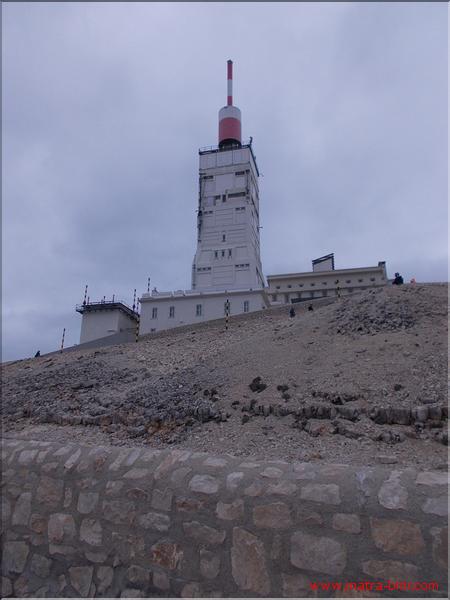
(120, 304)
(247, 144)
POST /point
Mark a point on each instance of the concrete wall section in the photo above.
(131, 522)
(173, 310)
(98, 324)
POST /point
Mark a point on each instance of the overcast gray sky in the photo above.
(106, 104)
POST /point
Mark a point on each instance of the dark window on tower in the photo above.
(171, 312)
(289, 286)
(223, 237)
(154, 313)
(216, 254)
(229, 253)
(198, 310)
(223, 252)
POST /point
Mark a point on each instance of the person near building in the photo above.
(398, 280)
(292, 312)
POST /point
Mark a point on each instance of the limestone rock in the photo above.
(50, 491)
(350, 523)
(272, 516)
(390, 569)
(91, 532)
(87, 501)
(393, 494)
(166, 554)
(138, 576)
(209, 564)
(204, 533)
(154, 520)
(230, 512)
(61, 528)
(327, 493)
(248, 562)
(22, 510)
(14, 557)
(436, 506)
(81, 578)
(205, 484)
(317, 553)
(397, 536)
(440, 546)
(162, 499)
(41, 565)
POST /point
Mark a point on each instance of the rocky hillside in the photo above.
(360, 380)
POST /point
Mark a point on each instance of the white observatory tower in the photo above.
(228, 253)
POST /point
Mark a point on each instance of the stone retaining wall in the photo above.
(97, 521)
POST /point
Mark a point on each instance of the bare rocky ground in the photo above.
(362, 380)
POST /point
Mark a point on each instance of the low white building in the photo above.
(165, 310)
(318, 283)
(106, 318)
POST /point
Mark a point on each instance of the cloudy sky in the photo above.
(105, 106)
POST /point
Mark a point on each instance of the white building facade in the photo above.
(166, 310)
(299, 287)
(228, 245)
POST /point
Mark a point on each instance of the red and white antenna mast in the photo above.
(230, 83)
(229, 116)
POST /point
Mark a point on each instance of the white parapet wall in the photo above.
(166, 310)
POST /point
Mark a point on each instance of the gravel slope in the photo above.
(361, 380)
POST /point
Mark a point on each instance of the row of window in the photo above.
(199, 309)
(326, 283)
(239, 266)
(211, 177)
(221, 253)
(217, 198)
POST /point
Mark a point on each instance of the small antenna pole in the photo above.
(148, 285)
(62, 341)
(85, 294)
(137, 322)
(134, 300)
